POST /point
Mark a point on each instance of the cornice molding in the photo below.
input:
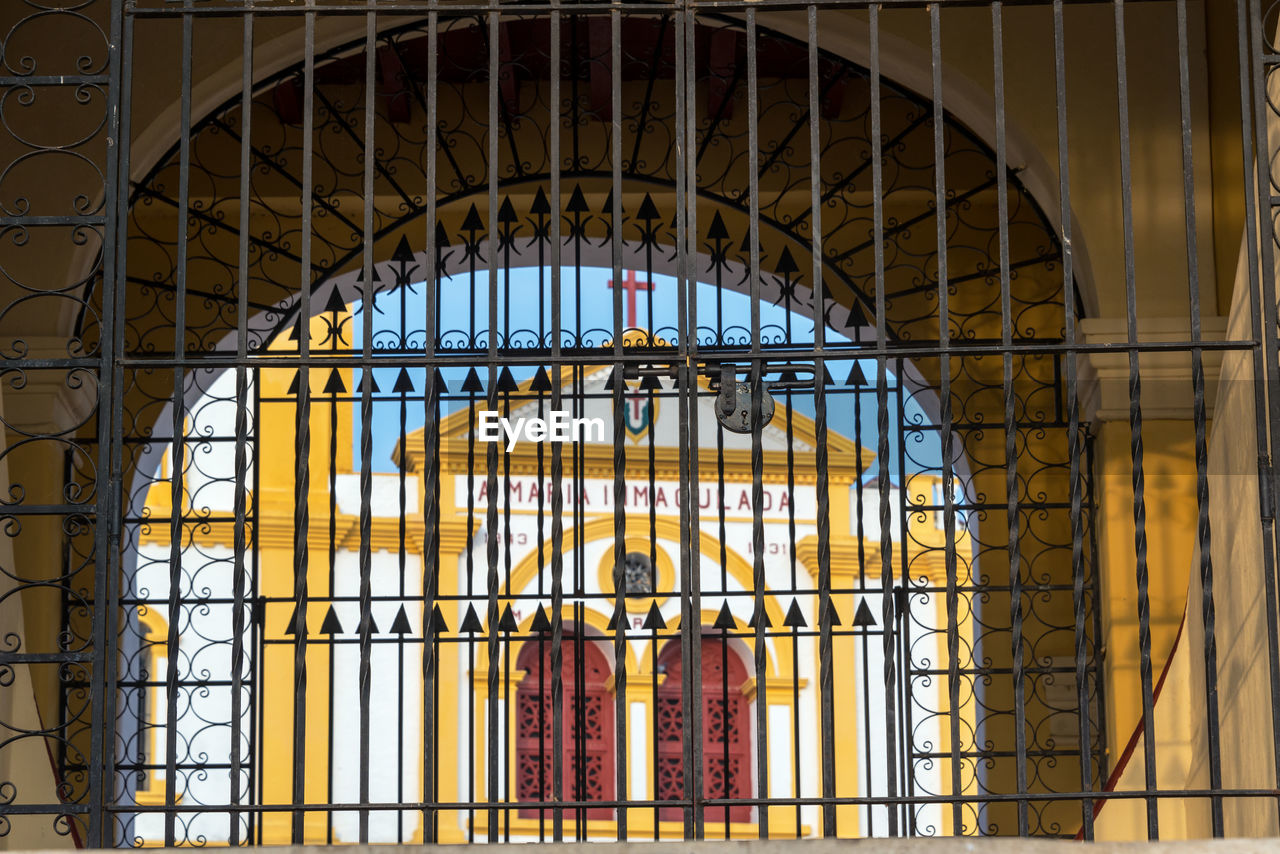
(47, 400)
(1166, 375)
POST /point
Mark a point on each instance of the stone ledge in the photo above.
(46, 400)
(942, 845)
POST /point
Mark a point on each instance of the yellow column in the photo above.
(845, 688)
(450, 749)
(274, 539)
(1171, 519)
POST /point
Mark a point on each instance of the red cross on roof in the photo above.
(632, 285)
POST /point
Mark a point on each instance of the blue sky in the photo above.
(460, 314)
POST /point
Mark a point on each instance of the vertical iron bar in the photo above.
(1266, 372)
(505, 240)
(619, 427)
(368, 293)
(653, 545)
(696, 712)
(540, 535)
(242, 413)
(723, 699)
(107, 569)
(257, 663)
(470, 547)
(1075, 433)
(402, 549)
(1204, 533)
(177, 497)
(944, 419)
(1012, 496)
(1100, 685)
(906, 706)
(796, 753)
(826, 656)
(578, 480)
(329, 645)
(302, 442)
(759, 620)
(491, 520)
(430, 469)
(687, 378)
(1135, 431)
(793, 579)
(557, 459)
(653, 733)
(1266, 181)
(864, 639)
(882, 426)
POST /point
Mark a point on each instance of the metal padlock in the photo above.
(733, 405)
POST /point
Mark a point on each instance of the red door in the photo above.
(588, 729)
(726, 731)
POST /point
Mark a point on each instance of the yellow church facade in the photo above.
(629, 756)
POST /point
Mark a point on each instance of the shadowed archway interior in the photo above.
(955, 564)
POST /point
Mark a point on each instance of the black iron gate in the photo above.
(818, 552)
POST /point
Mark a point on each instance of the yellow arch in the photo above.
(771, 669)
(665, 528)
(592, 618)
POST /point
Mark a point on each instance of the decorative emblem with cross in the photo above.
(639, 412)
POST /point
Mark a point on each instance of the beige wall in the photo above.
(1240, 631)
(1093, 132)
(26, 761)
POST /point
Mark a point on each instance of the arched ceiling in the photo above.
(650, 168)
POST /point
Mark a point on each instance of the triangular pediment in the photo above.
(646, 422)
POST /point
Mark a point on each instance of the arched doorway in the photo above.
(726, 729)
(587, 737)
(490, 262)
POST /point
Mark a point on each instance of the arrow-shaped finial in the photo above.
(335, 303)
(400, 625)
(335, 385)
(471, 621)
(717, 231)
(506, 212)
(648, 210)
(577, 201)
(472, 382)
(540, 207)
(403, 254)
(724, 620)
(404, 385)
(331, 625)
(507, 622)
(653, 621)
(863, 618)
(540, 622)
(786, 263)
